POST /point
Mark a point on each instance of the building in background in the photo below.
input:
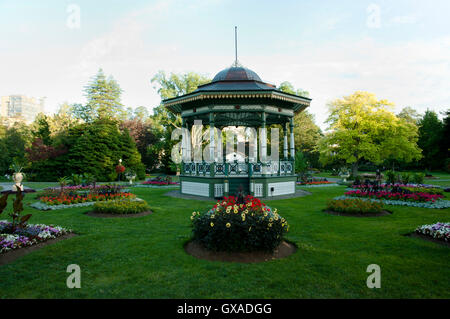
(15, 108)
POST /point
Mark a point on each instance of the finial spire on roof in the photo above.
(236, 62)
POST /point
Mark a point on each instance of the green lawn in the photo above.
(144, 257)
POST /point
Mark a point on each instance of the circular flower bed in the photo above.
(238, 226)
(355, 206)
(121, 207)
(82, 198)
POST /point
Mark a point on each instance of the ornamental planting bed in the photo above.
(79, 196)
(398, 194)
(438, 232)
(439, 204)
(239, 229)
(356, 207)
(20, 241)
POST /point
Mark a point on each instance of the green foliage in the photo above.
(405, 177)
(13, 142)
(121, 206)
(164, 122)
(17, 220)
(361, 127)
(95, 148)
(301, 164)
(426, 190)
(103, 100)
(391, 177)
(238, 228)
(418, 178)
(430, 140)
(354, 206)
(289, 88)
(42, 129)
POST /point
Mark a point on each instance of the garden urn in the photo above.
(18, 178)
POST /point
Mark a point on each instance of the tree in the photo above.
(409, 114)
(306, 133)
(164, 122)
(361, 127)
(143, 135)
(103, 99)
(13, 142)
(430, 140)
(42, 129)
(445, 141)
(96, 148)
(289, 88)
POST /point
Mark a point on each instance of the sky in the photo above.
(399, 50)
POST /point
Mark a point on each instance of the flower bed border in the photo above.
(156, 186)
(428, 238)
(318, 185)
(109, 215)
(44, 207)
(380, 214)
(285, 249)
(439, 204)
(12, 255)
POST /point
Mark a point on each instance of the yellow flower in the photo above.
(270, 219)
(246, 211)
(192, 217)
(276, 217)
(283, 220)
(275, 210)
(212, 216)
(228, 225)
(241, 205)
(212, 224)
(250, 229)
(270, 225)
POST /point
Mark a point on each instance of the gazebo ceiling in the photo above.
(236, 86)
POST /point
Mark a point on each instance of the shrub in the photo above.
(121, 206)
(390, 177)
(405, 177)
(417, 178)
(234, 226)
(354, 206)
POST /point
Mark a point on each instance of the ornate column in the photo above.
(292, 148)
(211, 138)
(285, 144)
(183, 142)
(263, 138)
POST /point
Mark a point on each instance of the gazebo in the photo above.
(238, 97)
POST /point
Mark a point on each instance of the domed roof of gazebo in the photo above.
(236, 73)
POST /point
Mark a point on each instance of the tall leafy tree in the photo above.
(103, 99)
(306, 133)
(430, 139)
(409, 114)
(41, 129)
(164, 122)
(362, 128)
(445, 142)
